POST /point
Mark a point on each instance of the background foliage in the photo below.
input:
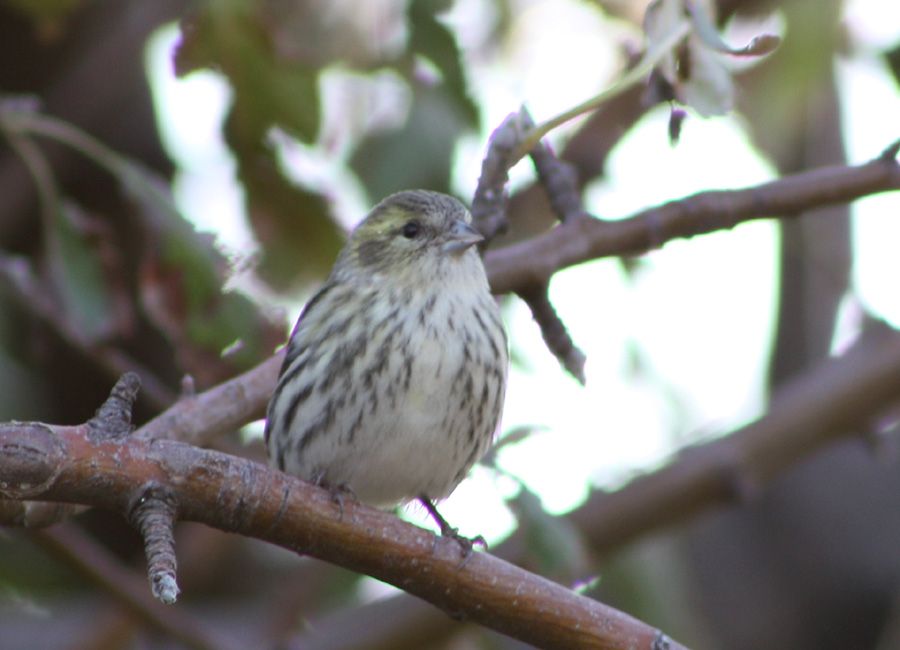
(99, 273)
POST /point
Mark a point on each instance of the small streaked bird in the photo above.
(393, 380)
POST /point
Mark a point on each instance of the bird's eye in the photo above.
(411, 229)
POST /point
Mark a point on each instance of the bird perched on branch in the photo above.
(394, 377)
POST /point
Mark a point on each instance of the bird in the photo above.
(394, 375)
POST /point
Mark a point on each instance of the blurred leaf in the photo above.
(661, 18)
(322, 32)
(555, 547)
(706, 31)
(48, 14)
(77, 275)
(893, 61)
(694, 71)
(418, 154)
(299, 239)
(433, 40)
(181, 281)
(23, 395)
(511, 437)
(705, 83)
(268, 91)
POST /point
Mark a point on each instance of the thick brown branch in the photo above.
(533, 262)
(836, 399)
(234, 494)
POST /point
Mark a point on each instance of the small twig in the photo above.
(113, 419)
(489, 202)
(534, 261)
(153, 514)
(554, 331)
(200, 418)
(188, 387)
(560, 182)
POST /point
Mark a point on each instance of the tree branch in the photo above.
(836, 399)
(66, 463)
(533, 262)
(199, 419)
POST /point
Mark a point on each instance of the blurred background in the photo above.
(275, 125)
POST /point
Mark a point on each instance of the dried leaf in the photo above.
(706, 31)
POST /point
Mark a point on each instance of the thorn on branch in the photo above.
(153, 513)
(188, 387)
(113, 418)
(890, 153)
(554, 331)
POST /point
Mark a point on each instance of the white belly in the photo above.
(423, 431)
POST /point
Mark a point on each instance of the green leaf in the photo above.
(893, 61)
(182, 275)
(433, 40)
(77, 274)
(419, 153)
(269, 91)
(554, 544)
(299, 239)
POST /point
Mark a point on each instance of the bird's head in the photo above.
(413, 236)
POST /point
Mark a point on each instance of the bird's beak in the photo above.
(461, 237)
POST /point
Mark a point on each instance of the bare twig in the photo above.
(489, 202)
(533, 262)
(198, 419)
(554, 331)
(113, 419)
(153, 514)
(561, 185)
(560, 181)
(234, 494)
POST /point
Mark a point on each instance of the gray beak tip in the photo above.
(461, 237)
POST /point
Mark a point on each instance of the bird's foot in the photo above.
(466, 544)
(338, 493)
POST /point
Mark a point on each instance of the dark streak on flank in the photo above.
(296, 400)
